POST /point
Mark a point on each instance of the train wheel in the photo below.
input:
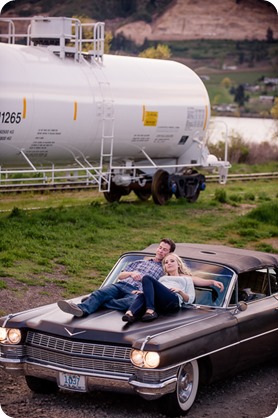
(143, 195)
(112, 196)
(160, 189)
(116, 192)
(193, 199)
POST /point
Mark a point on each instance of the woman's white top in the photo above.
(183, 283)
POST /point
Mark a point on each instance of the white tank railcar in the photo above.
(130, 123)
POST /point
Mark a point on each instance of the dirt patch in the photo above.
(18, 296)
(191, 19)
(252, 394)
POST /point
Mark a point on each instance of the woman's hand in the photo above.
(220, 285)
(180, 292)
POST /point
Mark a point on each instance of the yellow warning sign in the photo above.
(149, 117)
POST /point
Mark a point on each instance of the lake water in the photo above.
(249, 129)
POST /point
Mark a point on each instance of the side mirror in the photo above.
(240, 307)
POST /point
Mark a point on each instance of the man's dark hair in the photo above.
(169, 242)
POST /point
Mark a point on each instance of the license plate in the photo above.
(72, 381)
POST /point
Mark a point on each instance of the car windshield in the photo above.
(205, 295)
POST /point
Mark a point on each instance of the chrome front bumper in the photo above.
(152, 391)
(104, 382)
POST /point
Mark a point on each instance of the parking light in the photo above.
(3, 334)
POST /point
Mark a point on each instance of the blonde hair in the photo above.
(182, 267)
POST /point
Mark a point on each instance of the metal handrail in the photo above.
(70, 42)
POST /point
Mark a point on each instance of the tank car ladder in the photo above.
(107, 138)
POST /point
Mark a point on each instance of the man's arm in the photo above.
(134, 274)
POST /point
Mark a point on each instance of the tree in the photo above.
(274, 109)
(88, 33)
(269, 35)
(226, 83)
(240, 95)
(160, 52)
(107, 42)
(241, 57)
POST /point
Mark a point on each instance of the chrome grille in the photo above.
(78, 363)
(78, 355)
(76, 347)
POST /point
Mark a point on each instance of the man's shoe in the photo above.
(70, 307)
(128, 318)
(149, 316)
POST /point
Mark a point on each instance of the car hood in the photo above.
(106, 326)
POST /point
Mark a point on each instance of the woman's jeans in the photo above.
(114, 296)
(156, 297)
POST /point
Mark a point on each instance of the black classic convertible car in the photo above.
(221, 333)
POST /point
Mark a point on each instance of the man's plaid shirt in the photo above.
(144, 267)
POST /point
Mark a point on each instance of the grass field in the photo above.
(252, 60)
(215, 52)
(219, 94)
(80, 233)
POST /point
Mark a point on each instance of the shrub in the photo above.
(3, 285)
(263, 196)
(238, 150)
(16, 213)
(262, 152)
(221, 196)
(235, 197)
(266, 212)
(249, 196)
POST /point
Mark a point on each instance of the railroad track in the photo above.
(83, 185)
(245, 177)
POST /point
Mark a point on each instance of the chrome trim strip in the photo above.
(222, 348)
(42, 369)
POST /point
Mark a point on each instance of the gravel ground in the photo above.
(251, 394)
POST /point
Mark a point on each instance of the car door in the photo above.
(258, 324)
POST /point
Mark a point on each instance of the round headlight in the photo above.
(137, 358)
(3, 334)
(152, 359)
(14, 335)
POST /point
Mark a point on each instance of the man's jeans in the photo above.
(114, 296)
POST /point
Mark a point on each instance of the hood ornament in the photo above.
(71, 334)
